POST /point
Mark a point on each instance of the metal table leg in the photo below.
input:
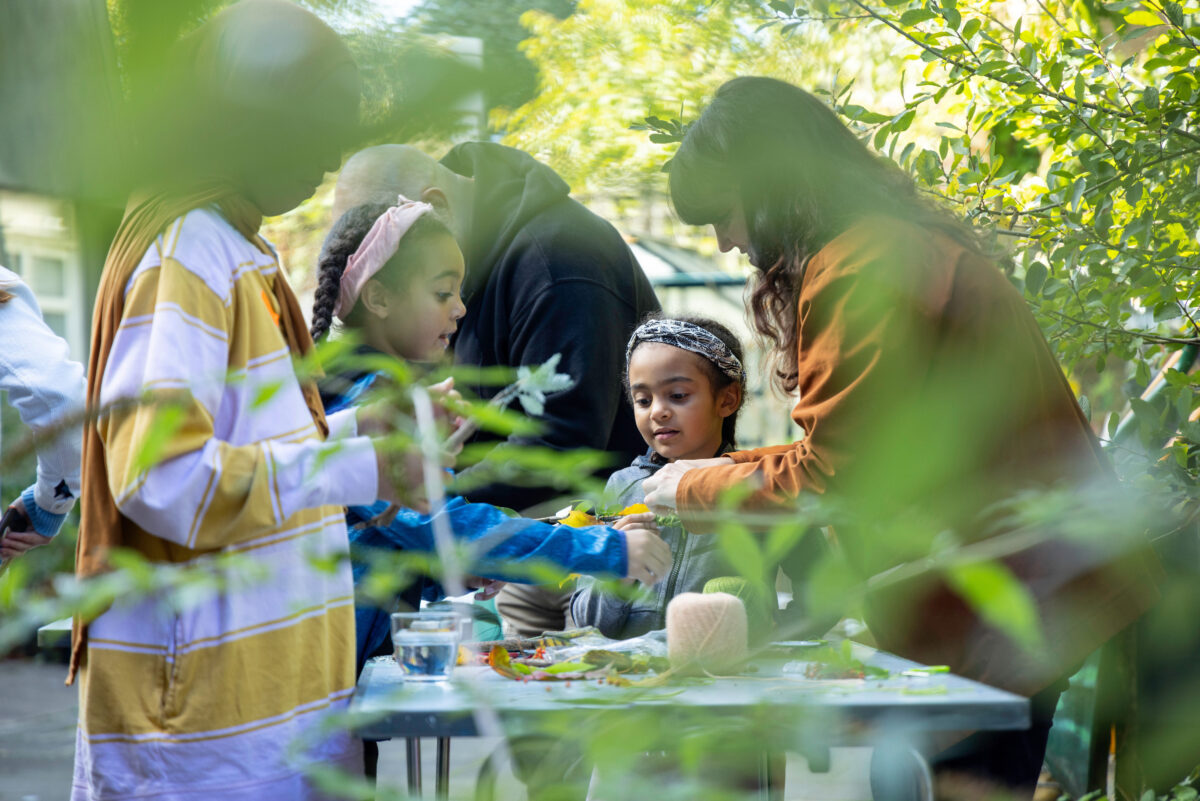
(412, 753)
(442, 787)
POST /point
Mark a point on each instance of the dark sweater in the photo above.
(545, 276)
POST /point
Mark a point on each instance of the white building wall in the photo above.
(41, 244)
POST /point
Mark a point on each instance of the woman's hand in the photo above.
(14, 543)
(662, 488)
(649, 557)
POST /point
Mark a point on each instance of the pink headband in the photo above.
(377, 247)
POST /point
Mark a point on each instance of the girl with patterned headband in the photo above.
(686, 382)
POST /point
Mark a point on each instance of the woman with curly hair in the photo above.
(926, 393)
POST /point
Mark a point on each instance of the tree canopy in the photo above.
(1067, 130)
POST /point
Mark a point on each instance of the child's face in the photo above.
(677, 411)
(416, 322)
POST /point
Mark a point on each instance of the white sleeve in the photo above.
(46, 388)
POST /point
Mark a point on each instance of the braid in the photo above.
(343, 239)
(329, 277)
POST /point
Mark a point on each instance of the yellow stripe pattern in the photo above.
(215, 695)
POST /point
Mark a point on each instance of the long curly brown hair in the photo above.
(802, 178)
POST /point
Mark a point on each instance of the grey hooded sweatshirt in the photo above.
(696, 559)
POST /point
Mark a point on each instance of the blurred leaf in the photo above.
(742, 551)
(165, 421)
(1000, 599)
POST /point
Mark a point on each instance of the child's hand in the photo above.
(640, 520)
(401, 477)
(378, 418)
(446, 402)
(15, 542)
(649, 556)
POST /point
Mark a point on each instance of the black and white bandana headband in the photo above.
(689, 337)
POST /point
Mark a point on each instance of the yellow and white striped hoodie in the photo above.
(221, 696)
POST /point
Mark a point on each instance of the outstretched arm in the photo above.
(204, 489)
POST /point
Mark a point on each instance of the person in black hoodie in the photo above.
(543, 275)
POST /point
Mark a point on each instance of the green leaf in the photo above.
(971, 28)
(903, 120)
(915, 16)
(165, 421)
(1191, 432)
(1077, 193)
(860, 114)
(264, 394)
(742, 551)
(1056, 74)
(1035, 277)
(988, 67)
(999, 598)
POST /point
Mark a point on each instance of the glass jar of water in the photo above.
(426, 644)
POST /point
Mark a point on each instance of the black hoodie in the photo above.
(544, 276)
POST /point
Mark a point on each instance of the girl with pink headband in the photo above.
(408, 310)
(392, 275)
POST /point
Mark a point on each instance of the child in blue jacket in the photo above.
(393, 275)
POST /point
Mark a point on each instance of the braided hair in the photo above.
(340, 243)
(716, 376)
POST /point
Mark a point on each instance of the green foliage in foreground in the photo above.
(1069, 130)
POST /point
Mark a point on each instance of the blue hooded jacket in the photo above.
(503, 547)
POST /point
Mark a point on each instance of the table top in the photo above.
(385, 705)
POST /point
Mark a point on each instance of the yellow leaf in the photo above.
(578, 519)
(1144, 18)
(636, 509)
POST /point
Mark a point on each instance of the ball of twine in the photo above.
(706, 632)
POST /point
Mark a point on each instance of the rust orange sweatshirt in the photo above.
(927, 393)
